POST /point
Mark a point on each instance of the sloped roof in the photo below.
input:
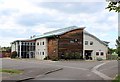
(102, 42)
(58, 32)
(62, 31)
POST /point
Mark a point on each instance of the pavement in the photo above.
(59, 70)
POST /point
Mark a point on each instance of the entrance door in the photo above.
(88, 54)
(31, 54)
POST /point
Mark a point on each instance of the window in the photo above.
(34, 43)
(91, 42)
(97, 53)
(71, 41)
(101, 53)
(43, 53)
(76, 40)
(86, 42)
(43, 43)
(37, 43)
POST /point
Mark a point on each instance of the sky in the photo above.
(20, 19)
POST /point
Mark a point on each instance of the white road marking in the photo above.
(68, 67)
(105, 77)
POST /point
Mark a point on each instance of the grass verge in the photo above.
(11, 71)
(117, 79)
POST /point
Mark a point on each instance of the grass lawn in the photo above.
(117, 79)
(11, 71)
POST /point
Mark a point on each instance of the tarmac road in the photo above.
(65, 70)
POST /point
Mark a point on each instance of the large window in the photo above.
(86, 42)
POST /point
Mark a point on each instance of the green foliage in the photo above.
(113, 6)
(46, 58)
(11, 71)
(117, 79)
(118, 46)
(8, 49)
(99, 59)
(55, 59)
(14, 54)
(75, 55)
(118, 58)
(112, 57)
(111, 50)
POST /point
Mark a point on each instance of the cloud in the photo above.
(34, 19)
(23, 18)
(73, 7)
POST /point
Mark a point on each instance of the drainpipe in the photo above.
(20, 50)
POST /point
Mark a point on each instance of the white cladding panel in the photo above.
(96, 47)
(41, 48)
(13, 47)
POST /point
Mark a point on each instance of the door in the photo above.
(88, 54)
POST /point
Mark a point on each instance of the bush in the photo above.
(77, 55)
(118, 58)
(73, 55)
(66, 56)
(55, 59)
(14, 54)
(46, 58)
(99, 59)
(112, 57)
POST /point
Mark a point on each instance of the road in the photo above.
(67, 70)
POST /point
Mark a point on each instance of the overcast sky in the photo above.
(19, 19)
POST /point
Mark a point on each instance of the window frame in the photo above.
(43, 53)
(102, 53)
(91, 42)
(86, 42)
(37, 43)
(97, 54)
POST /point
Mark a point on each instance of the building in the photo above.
(24, 48)
(58, 43)
(94, 47)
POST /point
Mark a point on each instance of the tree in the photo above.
(14, 54)
(118, 46)
(113, 5)
(111, 50)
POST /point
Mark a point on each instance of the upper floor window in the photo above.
(37, 43)
(42, 53)
(43, 43)
(101, 53)
(34, 44)
(91, 42)
(71, 41)
(97, 53)
(86, 42)
(76, 40)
